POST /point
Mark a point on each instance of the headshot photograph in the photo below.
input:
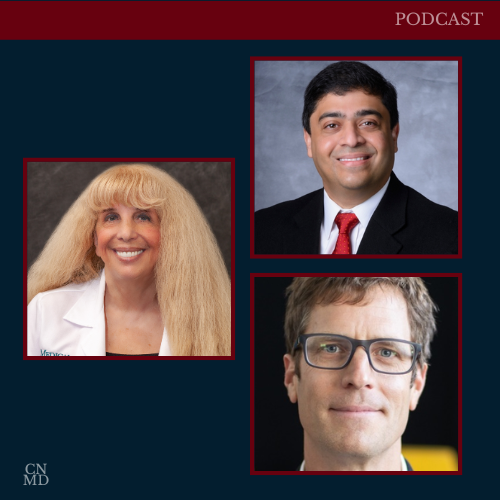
(356, 374)
(129, 258)
(356, 157)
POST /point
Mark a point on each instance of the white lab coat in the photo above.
(69, 321)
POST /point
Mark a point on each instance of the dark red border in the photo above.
(195, 20)
(253, 255)
(25, 256)
(252, 375)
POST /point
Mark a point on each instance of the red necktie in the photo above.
(345, 223)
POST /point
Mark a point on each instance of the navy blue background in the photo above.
(158, 426)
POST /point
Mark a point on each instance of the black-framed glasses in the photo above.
(334, 352)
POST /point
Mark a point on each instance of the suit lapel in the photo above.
(303, 236)
(388, 218)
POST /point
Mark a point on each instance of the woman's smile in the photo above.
(128, 255)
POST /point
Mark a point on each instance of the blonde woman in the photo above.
(132, 269)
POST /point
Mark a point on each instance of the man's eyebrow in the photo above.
(358, 114)
(367, 112)
(331, 114)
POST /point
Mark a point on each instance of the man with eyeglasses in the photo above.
(356, 365)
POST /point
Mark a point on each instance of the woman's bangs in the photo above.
(132, 189)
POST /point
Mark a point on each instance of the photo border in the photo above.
(252, 373)
(253, 255)
(145, 160)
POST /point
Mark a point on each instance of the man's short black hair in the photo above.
(345, 76)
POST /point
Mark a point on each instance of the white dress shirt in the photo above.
(69, 321)
(403, 465)
(330, 231)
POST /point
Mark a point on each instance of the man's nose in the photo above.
(358, 373)
(351, 136)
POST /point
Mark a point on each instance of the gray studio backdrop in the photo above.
(53, 187)
(427, 159)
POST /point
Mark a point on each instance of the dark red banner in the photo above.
(249, 20)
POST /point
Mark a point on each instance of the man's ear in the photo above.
(395, 135)
(418, 386)
(307, 139)
(290, 377)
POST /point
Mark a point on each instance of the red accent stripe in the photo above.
(241, 21)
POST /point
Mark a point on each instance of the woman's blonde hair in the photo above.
(192, 283)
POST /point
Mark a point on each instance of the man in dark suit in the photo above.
(351, 128)
(356, 364)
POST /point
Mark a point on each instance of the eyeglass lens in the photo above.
(333, 352)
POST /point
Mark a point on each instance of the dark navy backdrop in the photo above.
(134, 425)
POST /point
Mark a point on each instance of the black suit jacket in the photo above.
(405, 222)
(408, 466)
